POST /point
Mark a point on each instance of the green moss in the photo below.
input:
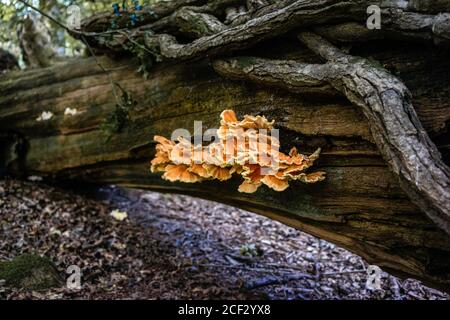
(375, 64)
(245, 62)
(201, 27)
(251, 250)
(31, 272)
(115, 121)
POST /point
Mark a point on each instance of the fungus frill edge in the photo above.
(180, 161)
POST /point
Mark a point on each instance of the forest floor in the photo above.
(177, 247)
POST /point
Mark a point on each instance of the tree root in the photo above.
(386, 103)
(267, 21)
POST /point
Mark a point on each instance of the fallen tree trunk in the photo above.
(360, 206)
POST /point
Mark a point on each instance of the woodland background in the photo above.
(172, 246)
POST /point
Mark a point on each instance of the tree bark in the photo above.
(7, 61)
(35, 43)
(360, 206)
(190, 32)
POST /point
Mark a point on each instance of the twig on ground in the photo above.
(271, 280)
(210, 265)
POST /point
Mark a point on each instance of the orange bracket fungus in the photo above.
(241, 147)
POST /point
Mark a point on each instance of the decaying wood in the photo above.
(380, 157)
(386, 103)
(360, 205)
(427, 182)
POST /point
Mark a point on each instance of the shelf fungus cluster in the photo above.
(241, 147)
